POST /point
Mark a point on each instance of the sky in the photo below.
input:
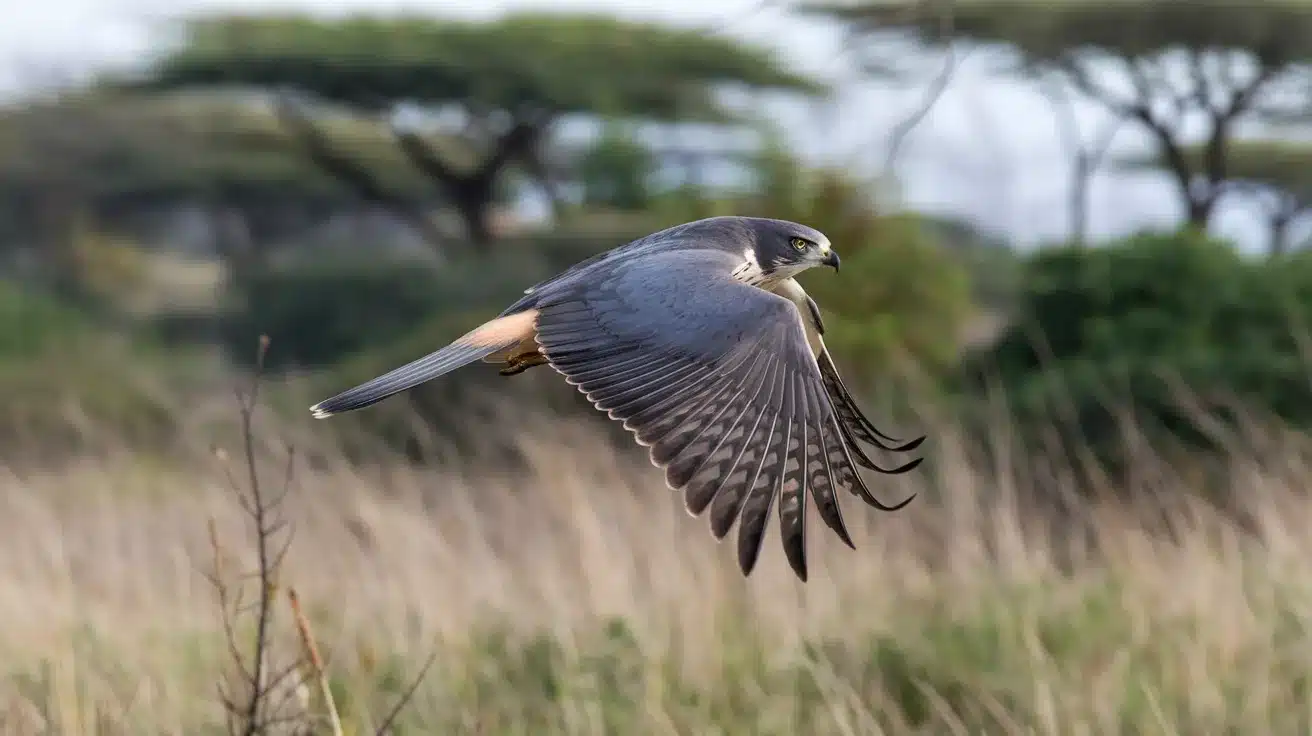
(987, 151)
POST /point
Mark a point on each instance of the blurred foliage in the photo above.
(616, 171)
(901, 300)
(993, 266)
(1169, 68)
(508, 81)
(108, 271)
(121, 156)
(1285, 165)
(36, 325)
(320, 313)
(556, 63)
(1276, 31)
(934, 666)
(1276, 175)
(69, 386)
(1153, 324)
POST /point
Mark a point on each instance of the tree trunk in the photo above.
(1278, 244)
(473, 203)
(1199, 210)
(1079, 200)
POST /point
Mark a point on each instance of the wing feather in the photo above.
(820, 467)
(727, 504)
(769, 482)
(793, 484)
(679, 433)
(850, 413)
(723, 464)
(718, 380)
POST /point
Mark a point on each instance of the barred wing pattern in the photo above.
(716, 378)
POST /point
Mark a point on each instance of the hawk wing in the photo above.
(717, 379)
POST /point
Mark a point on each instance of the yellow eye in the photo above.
(798, 243)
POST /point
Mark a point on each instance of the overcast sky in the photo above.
(987, 150)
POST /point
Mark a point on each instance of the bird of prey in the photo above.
(699, 339)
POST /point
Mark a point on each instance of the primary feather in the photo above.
(726, 383)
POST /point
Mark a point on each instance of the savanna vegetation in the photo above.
(1108, 531)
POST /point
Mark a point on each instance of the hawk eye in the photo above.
(798, 243)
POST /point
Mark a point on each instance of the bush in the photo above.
(616, 172)
(69, 386)
(319, 314)
(900, 302)
(324, 312)
(1123, 327)
(34, 324)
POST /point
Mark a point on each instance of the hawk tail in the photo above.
(488, 338)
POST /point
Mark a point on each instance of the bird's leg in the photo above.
(517, 364)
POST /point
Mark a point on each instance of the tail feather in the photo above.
(498, 334)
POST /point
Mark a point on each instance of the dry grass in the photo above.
(578, 597)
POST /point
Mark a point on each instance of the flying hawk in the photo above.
(699, 339)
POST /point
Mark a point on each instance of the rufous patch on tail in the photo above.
(518, 327)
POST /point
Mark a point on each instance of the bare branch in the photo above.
(255, 710)
(1086, 157)
(359, 179)
(932, 94)
(1064, 119)
(1071, 68)
(423, 157)
(267, 691)
(471, 192)
(406, 697)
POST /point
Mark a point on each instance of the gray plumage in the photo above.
(698, 339)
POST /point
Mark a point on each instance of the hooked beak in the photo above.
(832, 260)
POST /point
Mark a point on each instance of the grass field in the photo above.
(579, 597)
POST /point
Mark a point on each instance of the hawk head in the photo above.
(781, 249)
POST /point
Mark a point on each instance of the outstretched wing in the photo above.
(717, 379)
(851, 419)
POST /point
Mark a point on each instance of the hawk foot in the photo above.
(519, 363)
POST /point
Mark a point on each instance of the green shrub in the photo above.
(900, 302)
(320, 313)
(616, 171)
(323, 312)
(1123, 327)
(34, 324)
(69, 384)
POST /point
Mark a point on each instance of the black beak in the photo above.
(832, 260)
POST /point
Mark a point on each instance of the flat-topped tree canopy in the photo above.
(1276, 175)
(1277, 31)
(1283, 165)
(1172, 63)
(510, 78)
(120, 157)
(524, 63)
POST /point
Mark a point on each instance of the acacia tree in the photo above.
(499, 86)
(126, 164)
(1168, 67)
(1276, 176)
